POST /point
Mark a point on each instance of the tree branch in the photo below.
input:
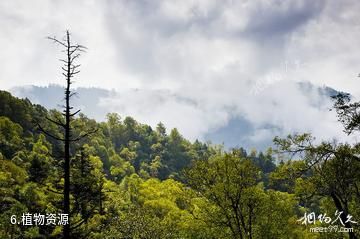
(48, 134)
(75, 113)
(57, 41)
(85, 135)
(56, 122)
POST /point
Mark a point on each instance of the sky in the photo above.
(195, 64)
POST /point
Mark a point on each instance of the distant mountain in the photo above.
(240, 132)
(325, 90)
(237, 132)
(51, 97)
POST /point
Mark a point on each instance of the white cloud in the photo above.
(211, 53)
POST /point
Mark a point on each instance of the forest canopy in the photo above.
(129, 180)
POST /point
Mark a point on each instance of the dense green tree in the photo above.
(128, 181)
(334, 167)
(10, 137)
(230, 184)
(87, 191)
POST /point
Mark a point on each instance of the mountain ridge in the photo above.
(237, 132)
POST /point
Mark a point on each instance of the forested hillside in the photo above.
(238, 131)
(129, 180)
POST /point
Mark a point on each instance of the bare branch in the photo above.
(74, 73)
(75, 66)
(56, 122)
(75, 113)
(74, 57)
(57, 41)
(49, 189)
(65, 61)
(79, 223)
(48, 134)
(85, 135)
(77, 48)
(72, 94)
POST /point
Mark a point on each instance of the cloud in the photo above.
(151, 107)
(197, 64)
(284, 107)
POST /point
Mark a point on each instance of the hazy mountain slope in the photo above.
(86, 99)
(237, 132)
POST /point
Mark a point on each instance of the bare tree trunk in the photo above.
(66, 229)
(69, 70)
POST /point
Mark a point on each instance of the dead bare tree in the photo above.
(70, 69)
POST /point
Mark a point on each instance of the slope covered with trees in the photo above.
(131, 181)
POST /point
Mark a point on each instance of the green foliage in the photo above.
(130, 181)
(10, 137)
(235, 201)
(329, 171)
